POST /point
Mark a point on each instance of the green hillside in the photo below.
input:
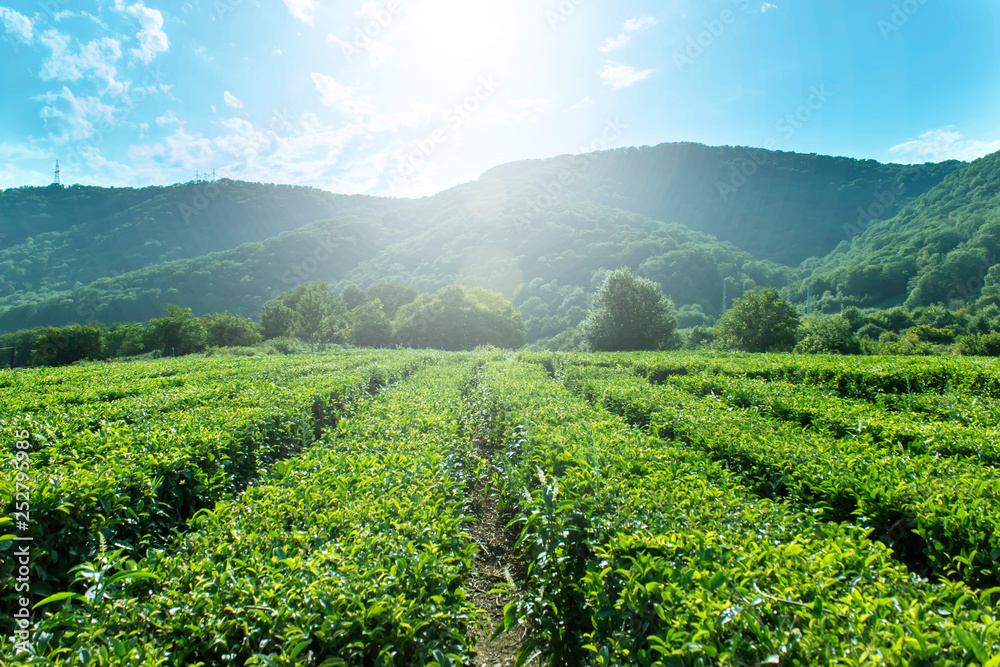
(548, 269)
(785, 207)
(542, 232)
(940, 249)
(53, 238)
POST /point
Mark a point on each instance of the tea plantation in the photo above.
(416, 508)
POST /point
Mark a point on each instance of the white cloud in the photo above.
(17, 24)
(168, 119)
(82, 14)
(585, 102)
(276, 52)
(623, 76)
(203, 53)
(23, 152)
(632, 27)
(766, 6)
(614, 43)
(181, 150)
(13, 176)
(302, 9)
(152, 39)
(640, 23)
(378, 52)
(71, 118)
(365, 117)
(244, 142)
(339, 96)
(243, 151)
(97, 58)
(945, 143)
(232, 101)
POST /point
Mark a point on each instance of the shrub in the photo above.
(827, 335)
(276, 321)
(66, 345)
(225, 330)
(177, 333)
(700, 336)
(629, 313)
(760, 322)
(872, 331)
(369, 325)
(458, 318)
(286, 345)
(979, 345)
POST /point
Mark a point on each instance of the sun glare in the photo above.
(448, 43)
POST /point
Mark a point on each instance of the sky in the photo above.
(410, 97)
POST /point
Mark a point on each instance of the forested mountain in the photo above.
(549, 268)
(785, 207)
(54, 238)
(543, 232)
(942, 248)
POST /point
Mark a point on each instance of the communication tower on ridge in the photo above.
(56, 181)
(202, 177)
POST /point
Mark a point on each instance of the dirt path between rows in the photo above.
(496, 567)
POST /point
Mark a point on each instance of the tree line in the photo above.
(630, 313)
(384, 315)
(627, 313)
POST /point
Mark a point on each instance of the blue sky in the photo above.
(409, 97)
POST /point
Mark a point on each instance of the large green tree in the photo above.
(353, 296)
(124, 340)
(392, 295)
(177, 333)
(629, 313)
(312, 311)
(226, 330)
(828, 334)
(458, 318)
(276, 321)
(320, 316)
(62, 346)
(760, 322)
(369, 326)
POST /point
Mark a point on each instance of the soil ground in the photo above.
(496, 567)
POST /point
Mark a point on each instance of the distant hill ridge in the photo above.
(943, 247)
(704, 222)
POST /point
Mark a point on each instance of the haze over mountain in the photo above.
(700, 221)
